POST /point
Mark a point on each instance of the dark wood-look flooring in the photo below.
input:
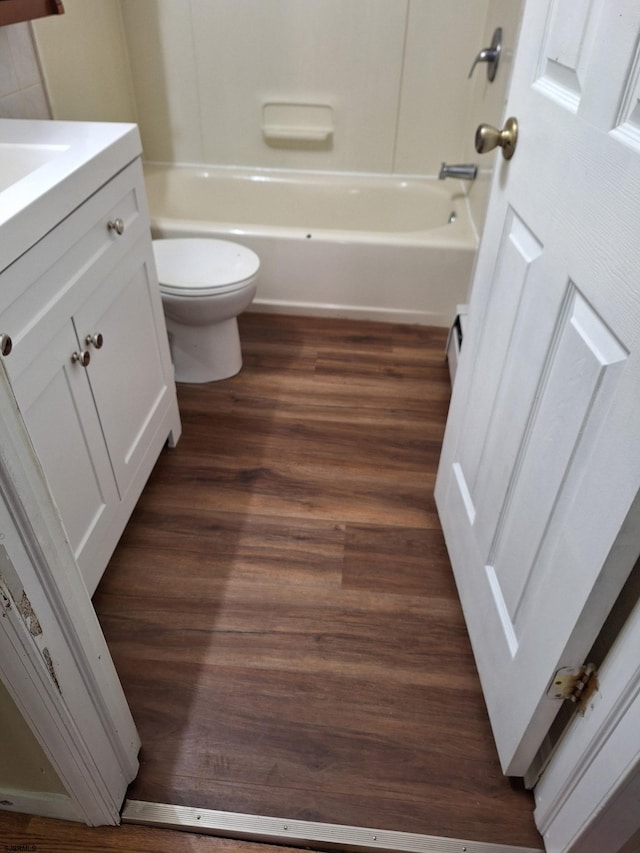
(281, 609)
(40, 835)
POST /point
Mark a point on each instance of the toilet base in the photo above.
(205, 353)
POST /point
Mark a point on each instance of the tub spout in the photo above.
(464, 172)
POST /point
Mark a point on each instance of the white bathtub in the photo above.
(359, 246)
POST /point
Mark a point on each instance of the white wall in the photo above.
(24, 766)
(195, 74)
(84, 62)
(22, 93)
(393, 71)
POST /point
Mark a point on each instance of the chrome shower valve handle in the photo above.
(490, 55)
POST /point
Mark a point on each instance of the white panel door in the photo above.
(540, 472)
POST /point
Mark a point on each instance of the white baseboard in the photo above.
(348, 312)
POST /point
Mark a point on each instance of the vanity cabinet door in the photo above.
(55, 399)
(97, 423)
(130, 373)
(92, 425)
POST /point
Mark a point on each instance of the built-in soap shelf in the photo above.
(285, 121)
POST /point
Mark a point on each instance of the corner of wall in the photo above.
(22, 93)
(84, 62)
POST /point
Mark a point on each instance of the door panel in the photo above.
(628, 121)
(578, 379)
(567, 46)
(541, 460)
(518, 251)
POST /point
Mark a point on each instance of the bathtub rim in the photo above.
(316, 173)
(460, 234)
(413, 254)
(456, 235)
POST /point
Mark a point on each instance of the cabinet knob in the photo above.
(82, 358)
(116, 225)
(6, 344)
(94, 340)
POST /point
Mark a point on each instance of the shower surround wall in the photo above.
(394, 73)
(195, 75)
(389, 78)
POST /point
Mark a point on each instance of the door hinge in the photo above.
(575, 683)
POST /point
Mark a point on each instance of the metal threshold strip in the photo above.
(300, 833)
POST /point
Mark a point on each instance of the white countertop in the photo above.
(48, 168)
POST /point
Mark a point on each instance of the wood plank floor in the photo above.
(281, 609)
(41, 835)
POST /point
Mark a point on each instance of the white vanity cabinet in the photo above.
(90, 365)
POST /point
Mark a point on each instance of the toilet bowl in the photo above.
(204, 285)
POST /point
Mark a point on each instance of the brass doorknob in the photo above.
(488, 138)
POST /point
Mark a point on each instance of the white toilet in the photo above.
(205, 284)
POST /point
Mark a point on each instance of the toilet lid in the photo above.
(194, 266)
